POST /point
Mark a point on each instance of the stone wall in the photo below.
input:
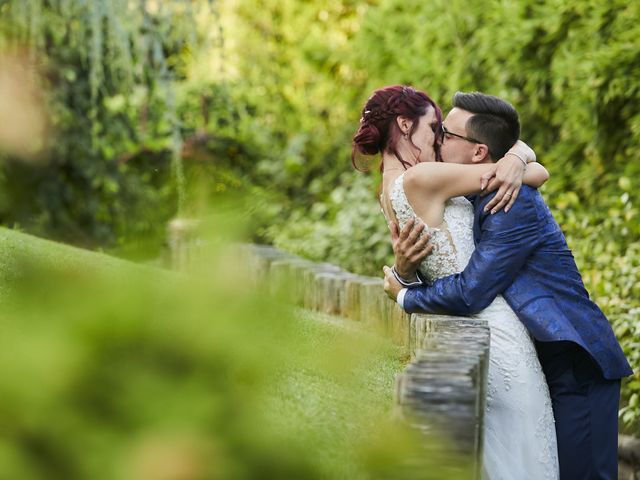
(442, 388)
(628, 458)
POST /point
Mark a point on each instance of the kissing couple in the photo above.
(554, 364)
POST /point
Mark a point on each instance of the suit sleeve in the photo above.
(504, 244)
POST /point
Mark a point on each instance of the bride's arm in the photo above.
(507, 177)
(535, 176)
(445, 180)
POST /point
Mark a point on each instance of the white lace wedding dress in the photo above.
(519, 436)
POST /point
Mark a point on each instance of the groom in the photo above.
(523, 255)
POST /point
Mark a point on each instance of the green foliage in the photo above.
(108, 72)
(289, 80)
(331, 231)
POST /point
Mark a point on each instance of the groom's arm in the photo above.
(504, 243)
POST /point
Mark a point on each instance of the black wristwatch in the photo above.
(404, 282)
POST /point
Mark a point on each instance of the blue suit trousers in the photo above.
(585, 407)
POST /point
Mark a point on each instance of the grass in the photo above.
(337, 391)
(19, 251)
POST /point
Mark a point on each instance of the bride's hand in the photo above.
(506, 177)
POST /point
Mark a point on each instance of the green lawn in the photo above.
(337, 390)
(20, 251)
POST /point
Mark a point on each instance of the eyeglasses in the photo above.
(447, 134)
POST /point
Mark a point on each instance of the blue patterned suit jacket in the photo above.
(524, 256)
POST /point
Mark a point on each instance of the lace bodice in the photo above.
(452, 240)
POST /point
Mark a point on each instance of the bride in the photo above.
(405, 126)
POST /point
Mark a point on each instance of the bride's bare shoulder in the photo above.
(422, 192)
(422, 176)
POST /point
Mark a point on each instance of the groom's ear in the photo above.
(481, 154)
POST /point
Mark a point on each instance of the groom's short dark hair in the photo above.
(495, 121)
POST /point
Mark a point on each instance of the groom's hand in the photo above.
(409, 248)
(391, 285)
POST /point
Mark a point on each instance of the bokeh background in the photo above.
(116, 116)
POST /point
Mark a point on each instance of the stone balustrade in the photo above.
(443, 387)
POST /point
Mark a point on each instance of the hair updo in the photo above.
(379, 132)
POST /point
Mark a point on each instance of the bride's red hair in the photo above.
(379, 132)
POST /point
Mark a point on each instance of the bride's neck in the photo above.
(391, 163)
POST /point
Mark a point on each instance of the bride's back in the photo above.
(452, 238)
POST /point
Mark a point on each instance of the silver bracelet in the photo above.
(518, 156)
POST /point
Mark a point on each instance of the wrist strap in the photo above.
(404, 282)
